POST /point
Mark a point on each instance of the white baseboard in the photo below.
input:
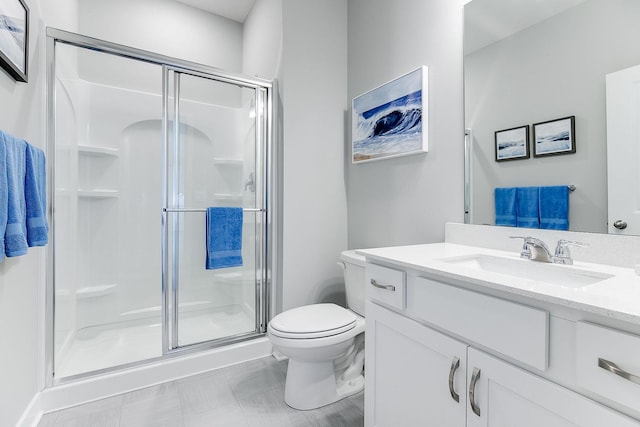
(114, 383)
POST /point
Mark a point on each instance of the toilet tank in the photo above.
(353, 265)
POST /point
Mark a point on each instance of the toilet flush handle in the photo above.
(342, 264)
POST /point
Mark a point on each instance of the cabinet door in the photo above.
(507, 396)
(408, 367)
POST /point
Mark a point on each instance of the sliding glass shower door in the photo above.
(214, 160)
(140, 145)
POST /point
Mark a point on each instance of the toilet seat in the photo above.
(313, 321)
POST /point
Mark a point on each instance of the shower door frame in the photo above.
(265, 162)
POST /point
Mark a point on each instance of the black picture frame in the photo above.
(14, 38)
(512, 143)
(554, 137)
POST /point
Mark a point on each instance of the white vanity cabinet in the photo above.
(408, 372)
(443, 355)
(507, 396)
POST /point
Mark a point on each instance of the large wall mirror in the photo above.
(531, 61)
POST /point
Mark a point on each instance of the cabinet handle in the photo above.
(455, 364)
(615, 369)
(472, 391)
(383, 286)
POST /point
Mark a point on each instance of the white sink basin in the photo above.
(554, 274)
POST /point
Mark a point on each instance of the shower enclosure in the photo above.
(139, 146)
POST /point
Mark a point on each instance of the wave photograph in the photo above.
(384, 126)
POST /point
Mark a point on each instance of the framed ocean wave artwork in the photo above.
(512, 144)
(391, 120)
(554, 137)
(14, 38)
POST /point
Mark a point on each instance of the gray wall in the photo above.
(314, 87)
(551, 70)
(408, 199)
(22, 278)
(262, 40)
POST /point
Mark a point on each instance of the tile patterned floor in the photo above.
(247, 395)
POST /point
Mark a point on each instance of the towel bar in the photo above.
(572, 187)
(204, 210)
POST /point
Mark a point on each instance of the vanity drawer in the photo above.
(512, 329)
(608, 363)
(386, 285)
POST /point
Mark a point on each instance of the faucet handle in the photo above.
(525, 252)
(562, 255)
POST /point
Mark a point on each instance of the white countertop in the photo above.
(617, 297)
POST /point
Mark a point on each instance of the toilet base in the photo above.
(310, 385)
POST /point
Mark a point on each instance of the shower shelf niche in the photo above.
(95, 151)
(98, 194)
(220, 161)
(96, 290)
(227, 197)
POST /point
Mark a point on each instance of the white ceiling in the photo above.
(487, 21)
(236, 10)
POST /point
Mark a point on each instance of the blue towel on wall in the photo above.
(4, 193)
(224, 237)
(35, 194)
(505, 203)
(554, 207)
(15, 235)
(527, 207)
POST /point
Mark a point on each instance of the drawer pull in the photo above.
(455, 364)
(615, 369)
(383, 286)
(472, 391)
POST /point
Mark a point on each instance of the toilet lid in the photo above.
(313, 321)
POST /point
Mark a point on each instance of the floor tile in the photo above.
(101, 418)
(344, 413)
(256, 376)
(226, 416)
(358, 400)
(205, 392)
(269, 410)
(246, 395)
(160, 411)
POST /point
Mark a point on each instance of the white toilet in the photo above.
(324, 343)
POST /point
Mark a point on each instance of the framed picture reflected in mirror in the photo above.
(512, 144)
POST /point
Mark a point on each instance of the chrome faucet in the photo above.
(536, 250)
(562, 255)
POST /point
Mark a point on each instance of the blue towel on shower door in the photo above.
(528, 207)
(35, 197)
(505, 203)
(15, 233)
(224, 237)
(554, 207)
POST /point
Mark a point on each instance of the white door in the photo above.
(623, 150)
(408, 372)
(507, 396)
